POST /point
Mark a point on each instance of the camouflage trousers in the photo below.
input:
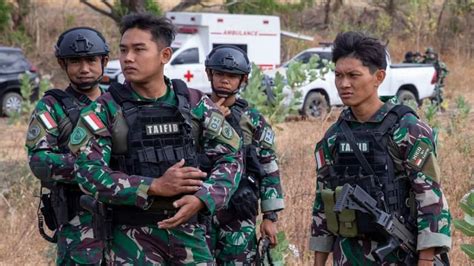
(76, 243)
(149, 245)
(233, 240)
(354, 251)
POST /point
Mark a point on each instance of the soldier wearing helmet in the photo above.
(82, 53)
(233, 236)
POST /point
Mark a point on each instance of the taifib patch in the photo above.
(419, 153)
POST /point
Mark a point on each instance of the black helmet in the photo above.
(229, 59)
(81, 42)
(429, 50)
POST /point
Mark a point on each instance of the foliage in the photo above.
(282, 98)
(5, 9)
(466, 225)
(459, 115)
(152, 7)
(28, 105)
(267, 7)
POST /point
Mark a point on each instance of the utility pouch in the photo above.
(344, 223)
(347, 220)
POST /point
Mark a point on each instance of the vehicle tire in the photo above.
(11, 102)
(315, 105)
(406, 96)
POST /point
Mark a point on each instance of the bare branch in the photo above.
(104, 12)
(109, 5)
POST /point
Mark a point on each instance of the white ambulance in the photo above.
(198, 33)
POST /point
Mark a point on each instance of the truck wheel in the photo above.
(315, 105)
(407, 97)
(11, 102)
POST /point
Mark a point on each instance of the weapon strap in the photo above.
(350, 138)
(260, 256)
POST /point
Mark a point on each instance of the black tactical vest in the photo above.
(72, 110)
(379, 179)
(159, 134)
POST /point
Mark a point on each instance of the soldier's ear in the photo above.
(62, 63)
(209, 74)
(379, 76)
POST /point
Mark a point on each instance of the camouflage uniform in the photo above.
(432, 215)
(76, 243)
(234, 239)
(185, 244)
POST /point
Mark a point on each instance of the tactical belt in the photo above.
(136, 217)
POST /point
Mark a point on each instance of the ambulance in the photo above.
(198, 33)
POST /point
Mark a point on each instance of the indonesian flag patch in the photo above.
(320, 160)
(93, 122)
(47, 120)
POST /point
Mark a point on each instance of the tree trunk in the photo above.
(327, 11)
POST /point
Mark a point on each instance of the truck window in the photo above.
(188, 56)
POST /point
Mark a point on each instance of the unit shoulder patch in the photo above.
(33, 132)
(419, 154)
(214, 123)
(78, 136)
(268, 137)
(227, 131)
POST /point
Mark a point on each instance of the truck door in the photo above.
(185, 66)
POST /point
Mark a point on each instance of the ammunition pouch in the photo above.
(343, 224)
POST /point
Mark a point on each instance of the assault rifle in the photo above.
(263, 249)
(101, 217)
(397, 234)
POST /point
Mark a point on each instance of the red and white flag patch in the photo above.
(320, 160)
(93, 122)
(47, 120)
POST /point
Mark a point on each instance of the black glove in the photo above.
(244, 202)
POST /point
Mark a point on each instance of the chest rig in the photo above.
(362, 157)
(159, 134)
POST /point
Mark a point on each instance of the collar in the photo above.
(389, 103)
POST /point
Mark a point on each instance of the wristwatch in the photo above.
(272, 216)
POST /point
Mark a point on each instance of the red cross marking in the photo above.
(188, 76)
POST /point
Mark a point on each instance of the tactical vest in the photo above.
(376, 175)
(158, 135)
(253, 169)
(72, 110)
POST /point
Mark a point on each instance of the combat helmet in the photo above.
(229, 59)
(81, 42)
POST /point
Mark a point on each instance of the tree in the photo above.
(119, 8)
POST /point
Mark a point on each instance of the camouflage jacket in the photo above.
(50, 162)
(257, 131)
(94, 150)
(433, 216)
(56, 163)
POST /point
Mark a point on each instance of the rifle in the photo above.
(101, 217)
(263, 249)
(397, 234)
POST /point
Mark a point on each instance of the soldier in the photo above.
(430, 56)
(139, 148)
(82, 53)
(233, 236)
(386, 150)
(441, 70)
(409, 57)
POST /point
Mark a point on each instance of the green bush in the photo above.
(466, 225)
(286, 96)
(5, 11)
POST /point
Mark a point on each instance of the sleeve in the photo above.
(271, 193)
(91, 140)
(415, 141)
(47, 160)
(222, 146)
(321, 238)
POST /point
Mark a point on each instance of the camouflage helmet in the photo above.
(81, 42)
(229, 59)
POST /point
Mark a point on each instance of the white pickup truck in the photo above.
(407, 81)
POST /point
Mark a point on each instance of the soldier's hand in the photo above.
(224, 109)
(188, 206)
(268, 228)
(178, 179)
